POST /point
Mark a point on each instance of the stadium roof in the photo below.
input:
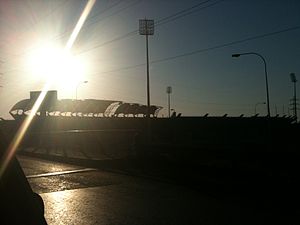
(83, 108)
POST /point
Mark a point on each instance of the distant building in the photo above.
(51, 106)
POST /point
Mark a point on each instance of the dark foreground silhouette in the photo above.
(18, 203)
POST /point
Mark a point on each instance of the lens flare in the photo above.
(10, 152)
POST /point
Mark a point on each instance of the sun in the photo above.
(56, 65)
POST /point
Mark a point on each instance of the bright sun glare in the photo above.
(56, 65)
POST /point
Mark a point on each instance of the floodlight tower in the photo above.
(146, 27)
(169, 91)
(294, 80)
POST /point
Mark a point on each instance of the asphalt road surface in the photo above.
(77, 195)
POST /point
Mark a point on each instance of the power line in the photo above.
(204, 49)
(225, 45)
(182, 11)
(131, 33)
(52, 11)
(186, 12)
(158, 23)
(200, 50)
(67, 30)
(114, 13)
(39, 21)
(45, 16)
(188, 53)
(120, 69)
(70, 28)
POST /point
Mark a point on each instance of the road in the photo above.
(78, 195)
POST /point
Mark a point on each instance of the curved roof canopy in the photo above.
(82, 108)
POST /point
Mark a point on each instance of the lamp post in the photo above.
(294, 80)
(82, 82)
(266, 74)
(259, 103)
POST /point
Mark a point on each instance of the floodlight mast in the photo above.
(146, 27)
(294, 80)
(169, 91)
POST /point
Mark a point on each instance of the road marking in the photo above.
(60, 173)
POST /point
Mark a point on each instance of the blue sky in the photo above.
(207, 82)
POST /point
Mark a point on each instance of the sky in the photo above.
(190, 51)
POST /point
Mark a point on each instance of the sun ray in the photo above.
(80, 23)
(11, 150)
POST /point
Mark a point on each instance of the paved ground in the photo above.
(78, 195)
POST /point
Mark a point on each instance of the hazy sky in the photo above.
(190, 51)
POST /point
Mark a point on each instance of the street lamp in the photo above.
(259, 103)
(266, 74)
(82, 82)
